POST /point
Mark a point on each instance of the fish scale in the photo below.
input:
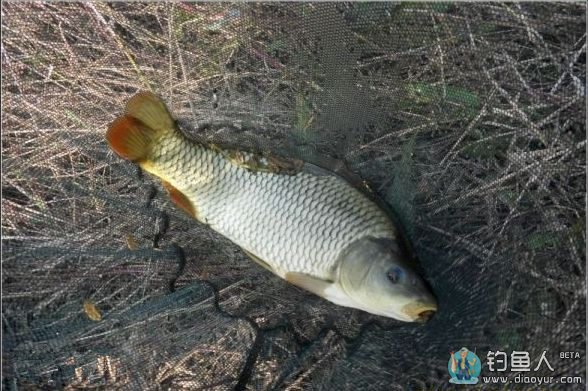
(304, 223)
(315, 216)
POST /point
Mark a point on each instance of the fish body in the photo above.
(300, 221)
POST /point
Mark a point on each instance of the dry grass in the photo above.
(468, 119)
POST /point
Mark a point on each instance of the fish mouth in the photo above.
(420, 312)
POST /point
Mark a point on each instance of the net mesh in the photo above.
(468, 119)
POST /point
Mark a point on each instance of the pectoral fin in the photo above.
(326, 289)
(312, 284)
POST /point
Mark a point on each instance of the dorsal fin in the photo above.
(331, 167)
(258, 162)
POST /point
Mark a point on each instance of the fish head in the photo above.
(375, 275)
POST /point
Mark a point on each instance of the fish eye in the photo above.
(395, 274)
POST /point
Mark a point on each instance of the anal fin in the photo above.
(180, 199)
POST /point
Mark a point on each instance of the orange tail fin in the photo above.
(129, 138)
(131, 135)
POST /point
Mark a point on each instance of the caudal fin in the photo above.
(131, 136)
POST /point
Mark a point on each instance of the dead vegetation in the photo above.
(469, 119)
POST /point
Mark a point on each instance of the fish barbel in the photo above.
(304, 223)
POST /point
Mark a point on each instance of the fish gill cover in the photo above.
(468, 119)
